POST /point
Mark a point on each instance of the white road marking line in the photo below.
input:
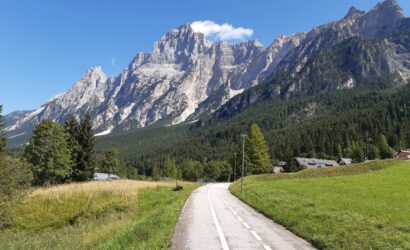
(246, 225)
(256, 235)
(218, 227)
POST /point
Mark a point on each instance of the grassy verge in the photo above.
(364, 206)
(97, 215)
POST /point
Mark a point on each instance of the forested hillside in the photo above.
(327, 125)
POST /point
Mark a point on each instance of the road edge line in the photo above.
(221, 235)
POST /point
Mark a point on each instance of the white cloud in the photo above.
(224, 32)
(113, 63)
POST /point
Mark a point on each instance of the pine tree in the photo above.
(2, 137)
(373, 152)
(357, 154)
(384, 149)
(155, 173)
(86, 156)
(179, 174)
(256, 152)
(72, 127)
(169, 169)
(111, 163)
(49, 154)
(312, 154)
(339, 151)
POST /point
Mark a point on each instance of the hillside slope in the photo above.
(362, 50)
(292, 127)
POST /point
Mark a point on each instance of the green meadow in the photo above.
(361, 206)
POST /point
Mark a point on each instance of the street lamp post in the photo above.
(234, 167)
(243, 160)
(367, 147)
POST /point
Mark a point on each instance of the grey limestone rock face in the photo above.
(184, 77)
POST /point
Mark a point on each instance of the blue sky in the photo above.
(47, 45)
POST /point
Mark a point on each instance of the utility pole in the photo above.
(367, 146)
(234, 167)
(243, 160)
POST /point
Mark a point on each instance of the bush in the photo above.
(15, 176)
(178, 188)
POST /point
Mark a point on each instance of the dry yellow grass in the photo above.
(117, 186)
(86, 213)
(58, 205)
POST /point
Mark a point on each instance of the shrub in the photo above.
(15, 176)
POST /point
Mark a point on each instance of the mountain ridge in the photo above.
(186, 77)
(178, 80)
(381, 54)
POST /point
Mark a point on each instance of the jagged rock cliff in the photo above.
(184, 77)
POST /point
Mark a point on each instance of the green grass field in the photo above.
(363, 206)
(97, 215)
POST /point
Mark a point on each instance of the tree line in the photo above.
(357, 123)
(66, 153)
(256, 155)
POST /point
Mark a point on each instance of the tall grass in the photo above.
(86, 215)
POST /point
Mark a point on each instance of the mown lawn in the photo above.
(97, 215)
(363, 206)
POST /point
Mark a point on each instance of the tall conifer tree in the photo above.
(86, 156)
(72, 128)
(385, 150)
(111, 164)
(49, 154)
(257, 152)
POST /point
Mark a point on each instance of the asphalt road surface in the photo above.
(213, 218)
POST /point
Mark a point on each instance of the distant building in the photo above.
(315, 163)
(345, 161)
(403, 155)
(278, 170)
(279, 167)
(104, 177)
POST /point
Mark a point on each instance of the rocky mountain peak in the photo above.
(94, 73)
(177, 45)
(94, 78)
(353, 11)
(383, 19)
(282, 40)
(388, 8)
(182, 31)
(256, 43)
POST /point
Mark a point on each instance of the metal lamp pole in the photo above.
(243, 160)
(234, 167)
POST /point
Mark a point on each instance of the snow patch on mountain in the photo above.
(233, 92)
(17, 135)
(105, 132)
